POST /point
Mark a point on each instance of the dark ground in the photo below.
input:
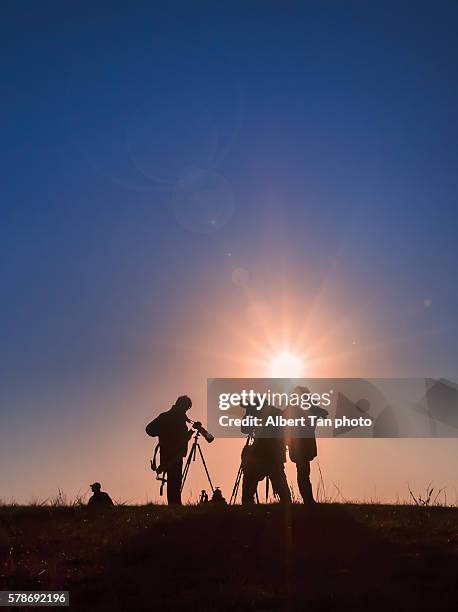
(336, 557)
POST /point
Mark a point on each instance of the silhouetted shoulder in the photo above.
(100, 499)
(106, 499)
(155, 428)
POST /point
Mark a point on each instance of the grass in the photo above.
(267, 557)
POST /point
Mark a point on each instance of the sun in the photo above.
(286, 365)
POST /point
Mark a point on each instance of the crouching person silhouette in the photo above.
(171, 429)
(99, 499)
(265, 457)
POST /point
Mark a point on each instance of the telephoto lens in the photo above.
(206, 434)
(203, 432)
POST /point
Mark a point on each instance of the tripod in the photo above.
(192, 457)
(238, 478)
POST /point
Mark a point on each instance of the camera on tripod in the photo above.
(197, 425)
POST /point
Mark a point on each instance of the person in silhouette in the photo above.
(171, 429)
(265, 457)
(99, 498)
(302, 447)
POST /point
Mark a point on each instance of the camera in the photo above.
(197, 425)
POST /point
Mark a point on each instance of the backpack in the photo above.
(154, 428)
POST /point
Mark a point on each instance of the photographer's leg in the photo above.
(280, 484)
(303, 482)
(174, 482)
(249, 485)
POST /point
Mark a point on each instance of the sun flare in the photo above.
(286, 365)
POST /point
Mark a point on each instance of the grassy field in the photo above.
(268, 557)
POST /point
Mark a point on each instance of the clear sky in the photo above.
(189, 188)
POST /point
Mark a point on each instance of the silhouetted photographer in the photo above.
(171, 429)
(264, 457)
(302, 447)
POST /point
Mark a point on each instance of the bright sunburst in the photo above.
(286, 365)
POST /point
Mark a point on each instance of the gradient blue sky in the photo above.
(170, 171)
